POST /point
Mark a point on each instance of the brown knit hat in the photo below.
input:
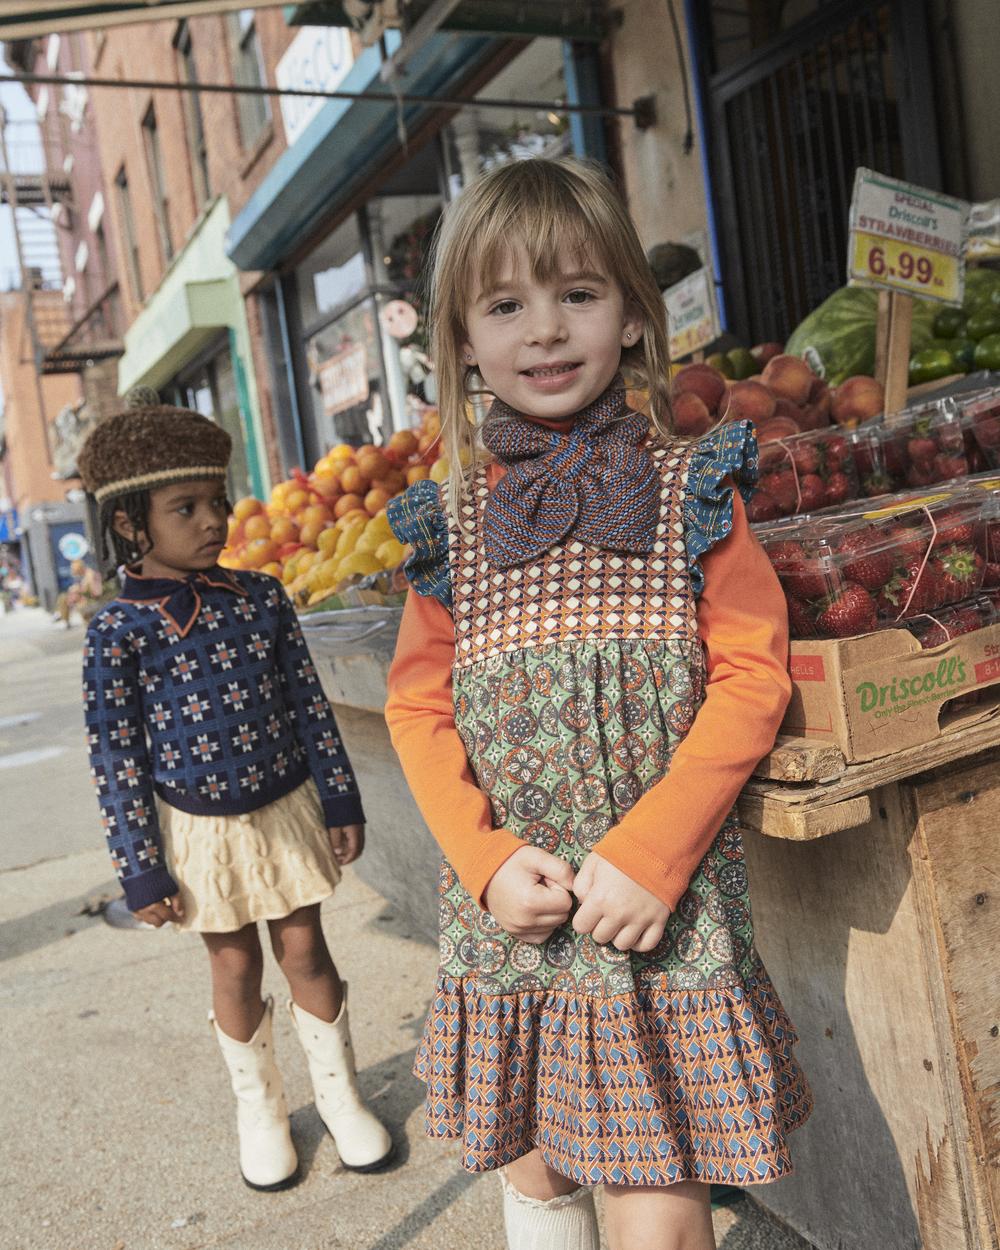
(143, 448)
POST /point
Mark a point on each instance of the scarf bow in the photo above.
(179, 600)
(595, 482)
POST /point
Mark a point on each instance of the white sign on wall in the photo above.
(317, 58)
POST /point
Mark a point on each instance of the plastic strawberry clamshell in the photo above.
(854, 572)
(803, 473)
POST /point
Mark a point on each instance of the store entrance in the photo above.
(799, 95)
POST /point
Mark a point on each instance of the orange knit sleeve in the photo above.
(743, 624)
(421, 719)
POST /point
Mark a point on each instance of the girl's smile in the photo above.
(549, 346)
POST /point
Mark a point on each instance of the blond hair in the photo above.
(544, 208)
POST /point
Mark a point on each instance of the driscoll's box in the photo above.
(879, 693)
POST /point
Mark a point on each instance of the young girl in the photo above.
(225, 790)
(592, 663)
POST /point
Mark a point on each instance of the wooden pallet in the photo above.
(803, 790)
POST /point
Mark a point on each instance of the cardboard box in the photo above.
(880, 693)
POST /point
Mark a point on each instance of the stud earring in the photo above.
(628, 336)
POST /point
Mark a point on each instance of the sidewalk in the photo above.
(117, 1122)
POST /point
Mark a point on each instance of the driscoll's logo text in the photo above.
(949, 672)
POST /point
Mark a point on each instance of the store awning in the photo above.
(20, 20)
(566, 19)
(344, 145)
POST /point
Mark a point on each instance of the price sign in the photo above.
(907, 239)
(343, 380)
(692, 316)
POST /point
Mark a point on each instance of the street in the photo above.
(118, 1125)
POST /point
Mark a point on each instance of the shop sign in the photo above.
(984, 231)
(692, 315)
(318, 58)
(73, 546)
(907, 239)
(343, 380)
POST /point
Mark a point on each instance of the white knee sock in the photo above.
(565, 1223)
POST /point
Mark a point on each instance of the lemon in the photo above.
(391, 553)
(358, 564)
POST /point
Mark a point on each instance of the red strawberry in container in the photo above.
(762, 507)
(838, 489)
(906, 594)
(851, 611)
(801, 619)
(984, 415)
(803, 576)
(956, 573)
(864, 558)
(933, 629)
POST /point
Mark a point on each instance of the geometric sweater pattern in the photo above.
(218, 716)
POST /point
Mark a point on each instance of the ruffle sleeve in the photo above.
(727, 455)
(417, 517)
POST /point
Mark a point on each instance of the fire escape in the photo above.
(35, 182)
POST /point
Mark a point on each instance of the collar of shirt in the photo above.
(178, 599)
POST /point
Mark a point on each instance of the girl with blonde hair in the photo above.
(592, 663)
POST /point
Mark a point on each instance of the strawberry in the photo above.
(908, 543)
(921, 450)
(838, 488)
(800, 573)
(948, 466)
(987, 428)
(762, 507)
(991, 575)
(806, 459)
(946, 625)
(953, 526)
(906, 592)
(957, 573)
(812, 493)
(781, 487)
(838, 452)
(848, 613)
(867, 565)
(801, 623)
(921, 473)
(876, 484)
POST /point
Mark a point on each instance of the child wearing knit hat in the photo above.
(225, 790)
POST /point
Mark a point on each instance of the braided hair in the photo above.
(111, 544)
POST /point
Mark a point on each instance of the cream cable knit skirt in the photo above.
(233, 870)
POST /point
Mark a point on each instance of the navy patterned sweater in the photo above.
(203, 691)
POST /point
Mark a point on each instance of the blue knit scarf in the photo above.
(595, 483)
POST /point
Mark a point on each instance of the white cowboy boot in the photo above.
(565, 1223)
(267, 1156)
(362, 1142)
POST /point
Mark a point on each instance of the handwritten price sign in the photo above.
(692, 316)
(907, 239)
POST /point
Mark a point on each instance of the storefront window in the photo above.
(346, 389)
(478, 139)
(209, 387)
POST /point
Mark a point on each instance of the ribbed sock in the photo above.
(565, 1223)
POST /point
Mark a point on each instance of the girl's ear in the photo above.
(123, 527)
(468, 355)
(632, 326)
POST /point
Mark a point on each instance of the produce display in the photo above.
(851, 574)
(326, 530)
(804, 473)
(837, 339)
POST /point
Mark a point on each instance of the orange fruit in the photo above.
(273, 567)
(296, 500)
(352, 480)
(376, 500)
(327, 483)
(315, 514)
(341, 452)
(327, 540)
(392, 483)
(417, 473)
(347, 503)
(259, 551)
(258, 526)
(309, 533)
(353, 514)
(247, 507)
(403, 443)
(373, 463)
(440, 470)
(284, 530)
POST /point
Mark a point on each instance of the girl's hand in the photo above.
(529, 894)
(347, 842)
(615, 909)
(158, 914)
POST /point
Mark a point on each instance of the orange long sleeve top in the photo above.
(659, 843)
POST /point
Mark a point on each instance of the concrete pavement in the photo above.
(117, 1124)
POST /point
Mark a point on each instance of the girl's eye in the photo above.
(505, 307)
(185, 509)
(579, 297)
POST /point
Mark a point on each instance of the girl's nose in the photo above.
(546, 326)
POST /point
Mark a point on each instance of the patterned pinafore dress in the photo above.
(575, 678)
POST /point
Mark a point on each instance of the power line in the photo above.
(642, 111)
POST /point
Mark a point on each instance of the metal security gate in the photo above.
(789, 123)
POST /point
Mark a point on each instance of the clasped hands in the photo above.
(532, 893)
